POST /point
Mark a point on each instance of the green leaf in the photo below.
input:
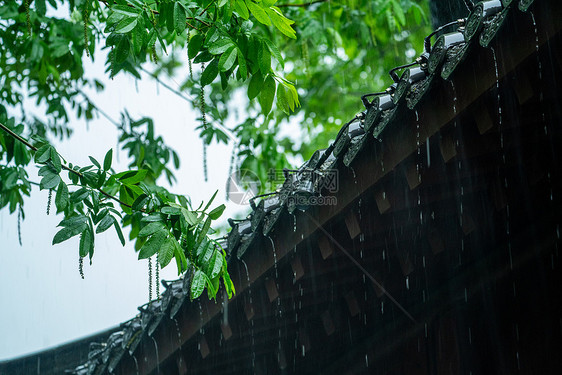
(194, 45)
(43, 154)
(211, 200)
(139, 203)
(171, 210)
(107, 160)
(197, 284)
(228, 284)
(275, 52)
(55, 159)
(50, 181)
(227, 59)
(150, 229)
(126, 25)
(215, 265)
(95, 162)
(399, 12)
(121, 51)
(217, 212)
(264, 59)
(242, 65)
(133, 177)
(74, 221)
(220, 46)
(68, 232)
(241, 8)
(255, 85)
(61, 198)
(126, 10)
(210, 73)
(179, 18)
(104, 224)
(190, 217)
(118, 230)
(166, 252)
(86, 242)
(267, 95)
(180, 258)
(258, 12)
(152, 246)
(282, 100)
(79, 195)
(152, 218)
(40, 7)
(281, 23)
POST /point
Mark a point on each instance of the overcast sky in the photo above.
(44, 300)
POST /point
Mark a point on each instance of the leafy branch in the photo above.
(162, 223)
(47, 152)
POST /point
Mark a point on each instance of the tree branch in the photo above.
(207, 7)
(153, 11)
(77, 173)
(302, 5)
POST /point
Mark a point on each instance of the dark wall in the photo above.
(443, 11)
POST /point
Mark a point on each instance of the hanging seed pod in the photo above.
(81, 267)
(149, 279)
(205, 126)
(188, 59)
(19, 226)
(86, 20)
(202, 102)
(49, 201)
(157, 277)
(205, 170)
(27, 16)
(153, 53)
(111, 72)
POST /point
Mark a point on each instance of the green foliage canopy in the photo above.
(306, 62)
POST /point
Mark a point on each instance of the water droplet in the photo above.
(136, 364)
(427, 151)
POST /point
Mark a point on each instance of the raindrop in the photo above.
(274, 258)
(407, 283)
(366, 360)
(294, 223)
(136, 364)
(251, 307)
(354, 175)
(427, 151)
(469, 336)
(157, 359)
(178, 332)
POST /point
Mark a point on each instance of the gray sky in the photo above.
(44, 300)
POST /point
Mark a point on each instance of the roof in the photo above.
(401, 185)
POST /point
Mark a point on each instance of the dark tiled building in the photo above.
(434, 248)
